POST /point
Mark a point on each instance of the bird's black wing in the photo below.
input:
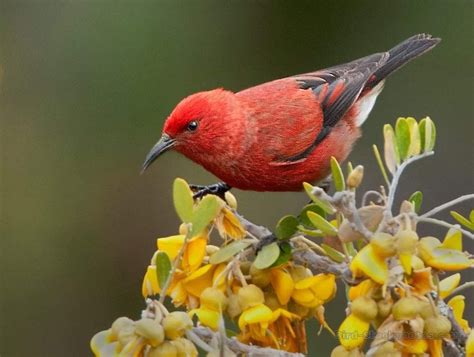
(337, 88)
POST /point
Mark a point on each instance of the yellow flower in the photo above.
(282, 284)
(282, 333)
(229, 225)
(213, 302)
(458, 305)
(353, 332)
(422, 281)
(364, 288)
(447, 285)
(315, 290)
(446, 256)
(102, 345)
(256, 320)
(368, 263)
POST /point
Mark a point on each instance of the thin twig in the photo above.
(462, 287)
(397, 175)
(445, 224)
(371, 192)
(447, 205)
(238, 347)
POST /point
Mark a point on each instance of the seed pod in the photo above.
(406, 308)
(151, 330)
(176, 324)
(437, 327)
(250, 295)
(364, 308)
(426, 310)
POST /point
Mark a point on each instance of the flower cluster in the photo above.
(403, 291)
(161, 334)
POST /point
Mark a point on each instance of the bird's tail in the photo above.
(403, 53)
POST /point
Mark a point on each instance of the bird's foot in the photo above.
(218, 189)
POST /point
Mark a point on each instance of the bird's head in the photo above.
(196, 126)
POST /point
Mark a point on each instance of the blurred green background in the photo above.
(85, 88)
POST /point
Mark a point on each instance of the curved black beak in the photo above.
(165, 143)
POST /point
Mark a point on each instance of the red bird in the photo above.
(277, 135)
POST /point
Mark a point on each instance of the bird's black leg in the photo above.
(218, 189)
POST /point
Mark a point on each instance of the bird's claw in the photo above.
(218, 189)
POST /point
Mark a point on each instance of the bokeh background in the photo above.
(85, 88)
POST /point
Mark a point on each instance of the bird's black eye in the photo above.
(192, 125)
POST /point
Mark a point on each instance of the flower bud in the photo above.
(437, 327)
(120, 324)
(183, 229)
(233, 306)
(340, 351)
(176, 324)
(426, 310)
(406, 241)
(245, 267)
(166, 349)
(185, 348)
(214, 299)
(384, 244)
(211, 249)
(151, 330)
(231, 200)
(250, 295)
(406, 308)
(271, 301)
(355, 177)
(299, 272)
(364, 308)
(384, 307)
(388, 349)
(260, 278)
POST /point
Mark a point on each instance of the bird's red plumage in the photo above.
(277, 135)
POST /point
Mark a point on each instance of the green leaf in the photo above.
(163, 268)
(349, 168)
(230, 333)
(285, 254)
(227, 252)
(204, 213)
(427, 134)
(303, 216)
(286, 227)
(380, 163)
(462, 220)
(322, 224)
(415, 142)
(324, 205)
(392, 159)
(417, 199)
(267, 256)
(333, 253)
(310, 232)
(183, 200)
(350, 249)
(471, 216)
(402, 133)
(337, 175)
